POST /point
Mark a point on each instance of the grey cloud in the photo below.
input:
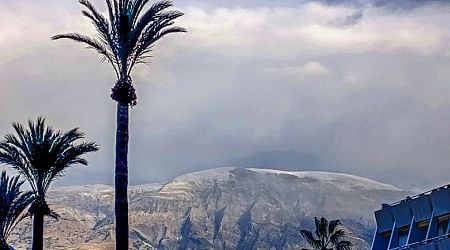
(348, 20)
(282, 160)
(388, 4)
(208, 100)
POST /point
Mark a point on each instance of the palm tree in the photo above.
(13, 203)
(327, 236)
(41, 155)
(125, 38)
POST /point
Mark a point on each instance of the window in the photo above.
(424, 224)
(403, 235)
(443, 224)
(420, 231)
(387, 234)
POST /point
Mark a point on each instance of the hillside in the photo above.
(224, 208)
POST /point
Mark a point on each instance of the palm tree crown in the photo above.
(41, 155)
(13, 203)
(126, 37)
(327, 236)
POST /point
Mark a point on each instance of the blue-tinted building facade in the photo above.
(417, 223)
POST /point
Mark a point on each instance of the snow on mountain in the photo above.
(351, 180)
(222, 174)
(223, 208)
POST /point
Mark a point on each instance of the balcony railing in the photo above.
(421, 243)
(420, 195)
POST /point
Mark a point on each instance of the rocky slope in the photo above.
(225, 208)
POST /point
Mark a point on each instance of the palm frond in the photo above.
(13, 204)
(137, 8)
(101, 29)
(323, 226)
(72, 155)
(344, 245)
(309, 237)
(156, 30)
(317, 231)
(91, 43)
(96, 17)
(149, 17)
(128, 34)
(123, 4)
(104, 28)
(159, 22)
(112, 10)
(148, 40)
(327, 235)
(42, 154)
(333, 225)
(337, 236)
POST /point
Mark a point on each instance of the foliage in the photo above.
(13, 203)
(41, 154)
(327, 236)
(126, 36)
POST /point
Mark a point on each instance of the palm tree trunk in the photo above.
(121, 178)
(38, 232)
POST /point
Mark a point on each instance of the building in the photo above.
(417, 223)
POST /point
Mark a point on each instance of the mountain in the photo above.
(224, 208)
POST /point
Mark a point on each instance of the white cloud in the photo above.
(26, 28)
(309, 69)
(292, 31)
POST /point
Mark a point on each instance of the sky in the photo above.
(355, 86)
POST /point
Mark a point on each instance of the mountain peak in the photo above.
(344, 180)
(217, 207)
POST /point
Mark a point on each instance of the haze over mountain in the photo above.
(359, 85)
(227, 207)
(282, 160)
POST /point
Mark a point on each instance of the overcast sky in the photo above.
(350, 86)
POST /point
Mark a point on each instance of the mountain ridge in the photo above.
(222, 208)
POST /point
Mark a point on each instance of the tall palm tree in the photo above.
(13, 203)
(41, 155)
(327, 236)
(125, 38)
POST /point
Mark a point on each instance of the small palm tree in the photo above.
(327, 236)
(126, 37)
(13, 203)
(41, 154)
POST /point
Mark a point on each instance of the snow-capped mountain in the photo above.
(224, 208)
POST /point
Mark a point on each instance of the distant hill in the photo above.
(224, 208)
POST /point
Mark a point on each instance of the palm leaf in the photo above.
(337, 236)
(42, 154)
(344, 245)
(92, 43)
(309, 237)
(150, 16)
(137, 8)
(326, 235)
(13, 204)
(333, 225)
(129, 34)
